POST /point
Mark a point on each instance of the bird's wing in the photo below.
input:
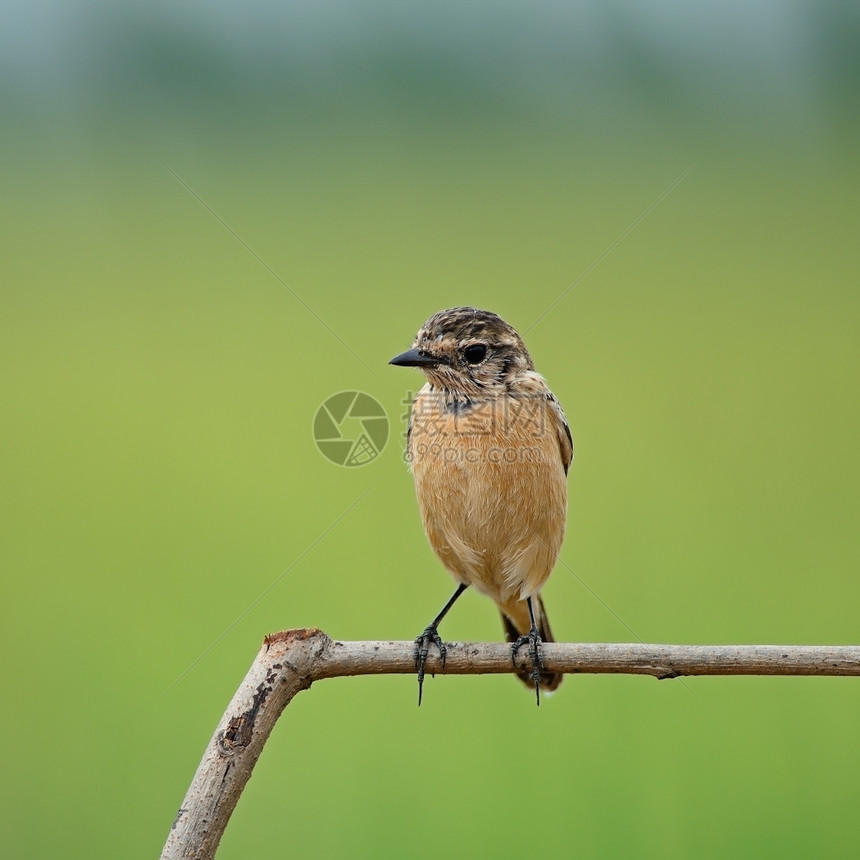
(559, 423)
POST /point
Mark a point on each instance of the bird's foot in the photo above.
(422, 648)
(533, 640)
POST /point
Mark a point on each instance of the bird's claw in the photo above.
(422, 648)
(533, 640)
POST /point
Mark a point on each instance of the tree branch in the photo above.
(291, 661)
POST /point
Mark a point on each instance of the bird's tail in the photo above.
(519, 625)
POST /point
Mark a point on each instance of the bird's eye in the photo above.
(475, 353)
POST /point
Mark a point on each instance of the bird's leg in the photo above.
(431, 636)
(534, 642)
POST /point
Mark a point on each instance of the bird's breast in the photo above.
(491, 488)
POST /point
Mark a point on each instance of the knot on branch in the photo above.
(240, 729)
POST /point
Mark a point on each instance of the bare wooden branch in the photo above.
(291, 661)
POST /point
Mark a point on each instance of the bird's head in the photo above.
(468, 352)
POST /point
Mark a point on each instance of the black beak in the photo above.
(414, 358)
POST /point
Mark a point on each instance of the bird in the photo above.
(489, 448)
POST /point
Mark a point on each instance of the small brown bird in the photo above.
(489, 448)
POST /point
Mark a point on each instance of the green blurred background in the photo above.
(387, 160)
